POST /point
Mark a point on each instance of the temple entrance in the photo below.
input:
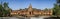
(30, 13)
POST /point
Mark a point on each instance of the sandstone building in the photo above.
(31, 12)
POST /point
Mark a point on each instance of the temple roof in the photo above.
(30, 6)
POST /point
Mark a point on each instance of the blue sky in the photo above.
(21, 4)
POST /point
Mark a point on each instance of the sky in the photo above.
(21, 4)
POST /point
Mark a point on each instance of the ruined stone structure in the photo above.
(31, 12)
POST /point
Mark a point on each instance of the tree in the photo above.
(58, 1)
(56, 10)
(6, 9)
(0, 10)
(46, 9)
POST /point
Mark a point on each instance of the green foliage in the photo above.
(45, 9)
(58, 1)
(0, 10)
(5, 4)
(3, 9)
(0, 7)
(56, 10)
(58, 13)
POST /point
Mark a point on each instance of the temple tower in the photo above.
(30, 8)
(29, 11)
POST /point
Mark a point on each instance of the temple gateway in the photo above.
(31, 12)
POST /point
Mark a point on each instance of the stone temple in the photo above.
(31, 12)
